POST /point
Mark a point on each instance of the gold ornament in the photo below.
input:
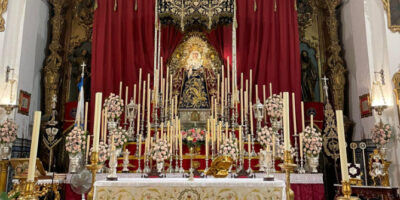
(220, 167)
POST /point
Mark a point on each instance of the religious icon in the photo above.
(309, 77)
(194, 88)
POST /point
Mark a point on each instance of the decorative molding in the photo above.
(53, 62)
(335, 63)
(3, 9)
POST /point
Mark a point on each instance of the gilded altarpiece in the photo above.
(70, 45)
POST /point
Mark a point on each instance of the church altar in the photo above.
(306, 186)
(181, 188)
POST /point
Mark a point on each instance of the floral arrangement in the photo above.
(160, 151)
(8, 132)
(104, 152)
(312, 141)
(193, 137)
(114, 106)
(229, 148)
(274, 106)
(381, 134)
(265, 136)
(75, 141)
(120, 137)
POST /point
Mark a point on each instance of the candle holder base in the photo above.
(94, 167)
(270, 178)
(301, 170)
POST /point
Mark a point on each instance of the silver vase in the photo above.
(5, 151)
(313, 162)
(111, 125)
(74, 162)
(160, 166)
(118, 151)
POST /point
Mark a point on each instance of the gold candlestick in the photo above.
(28, 192)
(94, 167)
(288, 166)
(346, 190)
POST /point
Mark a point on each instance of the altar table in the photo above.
(182, 189)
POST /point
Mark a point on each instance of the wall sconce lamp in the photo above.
(381, 73)
(378, 99)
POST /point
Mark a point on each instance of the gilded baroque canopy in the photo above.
(196, 13)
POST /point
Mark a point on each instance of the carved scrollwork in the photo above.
(54, 60)
(336, 69)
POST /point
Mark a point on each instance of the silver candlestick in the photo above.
(181, 170)
(171, 167)
(112, 175)
(146, 169)
(125, 164)
(176, 161)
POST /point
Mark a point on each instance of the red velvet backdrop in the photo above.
(267, 42)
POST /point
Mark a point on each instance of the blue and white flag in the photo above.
(80, 110)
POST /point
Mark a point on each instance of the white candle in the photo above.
(294, 114)
(251, 86)
(251, 119)
(86, 115)
(302, 117)
(144, 99)
(286, 125)
(96, 124)
(301, 145)
(342, 146)
(138, 119)
(87, 148)
(140, 146)
(249, 145)
(312, 121)
(34, 146)
(270, 89)
(140, 84)
(227, 69)
(240, 140)
(126, 103)
(134, 94)
(120, 89)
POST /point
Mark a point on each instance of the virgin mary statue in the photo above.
(194, 93)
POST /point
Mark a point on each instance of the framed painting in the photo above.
(24, 102)
(392, 8)
(365, 106)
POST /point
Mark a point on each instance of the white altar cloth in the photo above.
(182, 189)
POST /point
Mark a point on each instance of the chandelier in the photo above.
(196, 14)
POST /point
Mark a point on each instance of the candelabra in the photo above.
(137, 146)
(234, 117)
(131, 113)
(112, 174)
(125, 164)
(288, 166)
(296, 149)
(191, 176)
(176, 161)
(181, 170)
(241, 161)
(227, 106)
(155, 117)
(146, 169)
(346, 190)
(94, 167)
(141, 127)
(171, 167)
(206, 169)
(139, 170)
(301, 170)
(249, 170)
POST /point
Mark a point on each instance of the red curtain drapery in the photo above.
(267, 43)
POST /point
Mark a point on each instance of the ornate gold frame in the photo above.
(393, 28)
(396, 85)
(3, 9)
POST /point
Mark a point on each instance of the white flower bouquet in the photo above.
(114, 106)
(274, 106)
(312, 141)
(8, 132)
(104, 152)
(120, 137)
(160, 150)
(264, 136)
(381, 134)
(229, 148)
(75, 141)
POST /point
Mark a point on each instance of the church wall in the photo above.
(22, 47)
(370, 46)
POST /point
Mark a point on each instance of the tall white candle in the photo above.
(144, 99)
(126, 102)
(120, 89)
(96, 124)
(286, 126)
(302, 117)
(34, 146)
(140, 84)
(301, 145)
(294, 114)
(342, 145)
